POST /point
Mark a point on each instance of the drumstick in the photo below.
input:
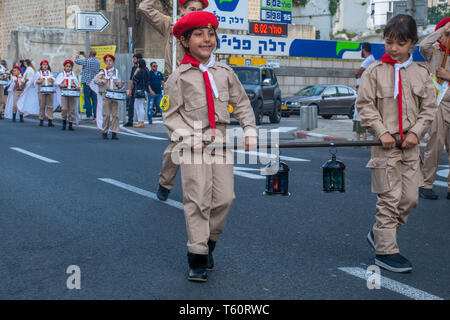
(444, 61)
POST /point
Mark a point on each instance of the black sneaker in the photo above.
(371, 239)
(114, 136)
(448, 195)
(128, 124)
(105, 136)
(162, 193)
(428, 194)
(393, 262)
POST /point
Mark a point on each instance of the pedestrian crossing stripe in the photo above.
(164, 105)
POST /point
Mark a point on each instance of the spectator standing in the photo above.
(155, 93)
(366, 53)
(141, 86)
(91, 68)
(130, 92)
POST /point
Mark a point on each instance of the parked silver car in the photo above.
(329, 99)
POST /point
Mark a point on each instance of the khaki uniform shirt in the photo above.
(104, 84)
(163, 24)
(187, 101)
(378, 109)
(430, 50)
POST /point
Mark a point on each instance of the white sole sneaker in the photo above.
(390, 268)
(370, 240)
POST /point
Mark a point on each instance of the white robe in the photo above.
(28, 102)
(72, 77)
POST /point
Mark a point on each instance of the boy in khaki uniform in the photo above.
(3, 76)
(164, 24)
(207, 186)
(433, 49)
(109, 79)
(45, 100)
(18, 85)
(396, 102)
(68, 79)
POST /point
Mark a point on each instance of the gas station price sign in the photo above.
(268, 29)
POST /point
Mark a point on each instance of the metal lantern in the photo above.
(333, 174)
(279, 182)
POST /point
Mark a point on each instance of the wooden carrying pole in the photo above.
(316, 144)
(444, 61)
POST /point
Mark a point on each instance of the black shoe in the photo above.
(393, 262)
(105, 136)
(114, 136)
(64, 125)
(1, 116)
(371, 239)
(448, 195)
(162, 193)
(428, 194)
(21, 118)
(128, 124)
(50, 123)
(14, 117)
(197, 267)
(150, 122)
(210, 262)
(70, 127)
(41, 123)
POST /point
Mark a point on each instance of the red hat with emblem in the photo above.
(195, 20)
(68, 61)
(18, 68)
(442, 23)
(204, 2)
(44, 61)
(110, 56)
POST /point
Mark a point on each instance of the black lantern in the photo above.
(333, 174)
(279, 182)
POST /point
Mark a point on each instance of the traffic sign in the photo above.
(91, 22)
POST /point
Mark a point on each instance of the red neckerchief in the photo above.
(387, 59)
(188, 58)
(442, 47)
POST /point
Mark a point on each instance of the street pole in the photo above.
(174, 40)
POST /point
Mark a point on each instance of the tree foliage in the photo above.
(437, 13)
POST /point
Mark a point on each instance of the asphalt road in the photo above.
(129, 246)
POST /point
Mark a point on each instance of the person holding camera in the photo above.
(91, 67)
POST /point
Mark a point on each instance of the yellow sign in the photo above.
(239, 61)
(102, 51)
(164, 105)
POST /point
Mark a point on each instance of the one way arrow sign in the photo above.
(91, 22)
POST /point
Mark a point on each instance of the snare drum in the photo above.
(115, 94)
(46, 89)
(70, 92)
(3, 82)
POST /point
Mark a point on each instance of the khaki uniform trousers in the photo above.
(208, 192)
(110, 108)
(68, 106)
(439, 135)
(396, 177)
(45, 100)
(169, 169)
(2, 99)
(16, 97)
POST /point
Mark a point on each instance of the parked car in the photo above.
(261, 85)
(329, 99)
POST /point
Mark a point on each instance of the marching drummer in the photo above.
(108, 80)
(68, 80)
(16, 89)
(45, 81)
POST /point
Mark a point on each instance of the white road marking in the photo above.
(239, 171)
(142, 192)
(284, 129)
(393, 285)
(34, 155)
(440, 183)
(141, 135)
(271, 156)
(443, 173)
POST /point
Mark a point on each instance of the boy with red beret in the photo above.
(163, 24)
(199, 91)
(45, 78)
(68, 79)
(433, 49)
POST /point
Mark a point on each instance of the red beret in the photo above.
(442, 23)
(110, 56)
(204, 2)
(18, 68)
(68, 61)
(44, 61)
(195, 20)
